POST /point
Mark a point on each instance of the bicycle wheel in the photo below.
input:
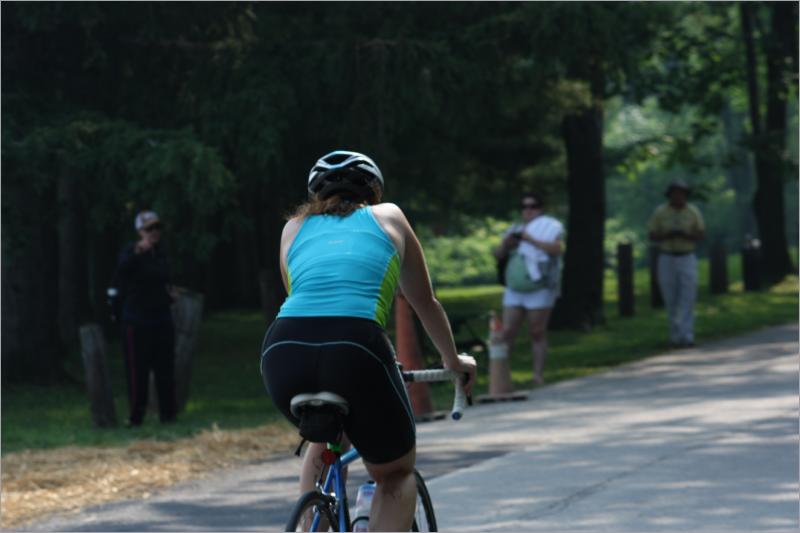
(310, 505)
(424, 519)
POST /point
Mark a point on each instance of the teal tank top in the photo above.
(341, 266)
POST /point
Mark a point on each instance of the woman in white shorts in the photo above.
(545, 234)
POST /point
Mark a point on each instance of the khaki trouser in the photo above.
(677, 278)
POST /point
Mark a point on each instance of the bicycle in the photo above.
(327, 506)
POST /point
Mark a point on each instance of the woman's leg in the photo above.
(512, 320)
(395, 494)
(312, 467)
(537, 325)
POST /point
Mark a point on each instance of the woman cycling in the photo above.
(342, 256)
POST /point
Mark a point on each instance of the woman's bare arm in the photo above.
(415, 282)
(290, 230)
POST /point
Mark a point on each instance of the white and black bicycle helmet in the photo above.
(343, 171)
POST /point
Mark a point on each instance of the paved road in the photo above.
(701, 439)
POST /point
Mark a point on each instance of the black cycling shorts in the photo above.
(351, 357)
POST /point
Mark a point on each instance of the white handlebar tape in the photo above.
(460, 400)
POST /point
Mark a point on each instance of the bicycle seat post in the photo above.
(330, 455)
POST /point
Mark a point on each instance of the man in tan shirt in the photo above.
(677, 226)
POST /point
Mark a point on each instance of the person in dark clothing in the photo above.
(148, 335)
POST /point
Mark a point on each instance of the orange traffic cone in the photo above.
(499, 368)
(500, 386)
(410, 355)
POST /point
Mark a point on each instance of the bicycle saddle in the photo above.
(319, 399)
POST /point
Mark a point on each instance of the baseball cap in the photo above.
(678, 184)
(145, 218)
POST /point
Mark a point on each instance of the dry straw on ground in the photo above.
(36, 483)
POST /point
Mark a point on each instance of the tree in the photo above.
(769, 134)
(212, 117)
(407, 86)
(712, 53)
(212, 114)
(68, 188)
(589, 51)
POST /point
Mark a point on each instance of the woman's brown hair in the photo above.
(339, 204)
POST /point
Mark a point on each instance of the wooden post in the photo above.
(98, 383)
(625, 278)
(751, 259)
(718, 269)
(656, 300)
(187, 314)
(410, 355)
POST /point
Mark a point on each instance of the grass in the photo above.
(574, 354)
(226, 387)
(226, 390)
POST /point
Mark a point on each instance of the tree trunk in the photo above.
(656, 298)
(246, 266)
(72, 287)
(769, 138)
(740, 175)
(98, 381)
(769, 199)
(751, 265)
(625, 287)
(746, 15)
(29, 328)
(718, 269)
(187, 313)
(581, 303)
(30, 345)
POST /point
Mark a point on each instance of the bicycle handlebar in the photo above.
(442, 374)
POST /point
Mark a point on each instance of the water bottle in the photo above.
(363, 504)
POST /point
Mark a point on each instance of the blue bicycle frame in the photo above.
(335, 480)
(334, 489)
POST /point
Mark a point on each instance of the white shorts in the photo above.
(541, 299)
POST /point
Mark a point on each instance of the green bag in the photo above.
(517, 277)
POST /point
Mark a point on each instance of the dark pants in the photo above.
(150, 347)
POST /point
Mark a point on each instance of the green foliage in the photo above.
(649, 147)
(601, 43)
(617, 232)
(697, 59)
(465, 259)
(212, 113)
(121, 169)
(265, 91)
